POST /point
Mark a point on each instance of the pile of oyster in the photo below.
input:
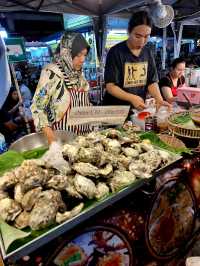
(37, 195)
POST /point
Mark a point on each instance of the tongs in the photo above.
(188, 100)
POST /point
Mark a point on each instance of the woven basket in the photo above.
(172, 141)
(182, 131)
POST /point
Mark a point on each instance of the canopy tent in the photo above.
(87, 7)
(100, 9)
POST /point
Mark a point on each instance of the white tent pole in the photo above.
(164, 48)
(179, 39)
(175, 40)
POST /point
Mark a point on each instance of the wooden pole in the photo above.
(21, 108)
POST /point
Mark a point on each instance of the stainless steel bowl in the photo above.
(36, 140)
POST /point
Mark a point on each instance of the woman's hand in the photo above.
(137, 102)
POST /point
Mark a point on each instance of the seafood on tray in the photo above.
(38, 195)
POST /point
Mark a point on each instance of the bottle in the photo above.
(150, 123)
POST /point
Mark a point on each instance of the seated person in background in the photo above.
(7, 127)
(11, 121)
(175, 78)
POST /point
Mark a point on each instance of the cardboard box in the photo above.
(192, 93)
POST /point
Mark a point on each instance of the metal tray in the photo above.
(83, 216)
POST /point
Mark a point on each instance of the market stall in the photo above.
(125, 186)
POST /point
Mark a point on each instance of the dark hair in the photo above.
(139, 18)
(177, 61)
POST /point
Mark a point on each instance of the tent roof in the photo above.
(87, 7)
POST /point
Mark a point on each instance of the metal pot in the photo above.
(36, 140)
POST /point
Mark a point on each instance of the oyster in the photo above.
(123, 162)
(34, 180)
(9, 209)
(45, 209)
(61, 217)
(95, 137)
(81, 141)
(85, 186)
(3, 194)
(108, 158)
(7, 180)
(30, 198)
(121, 179)
(146, 146)
(113, 133)
(88, 155)
(71, 190)
(151, 158)
(140, 169)
(106, 171)
(71, 151)
(86, 169)
(18, 192)
(112, 146)
(166, 157)
(137, 147)
(22, 220)
(130, 152)
(98, 147)
(102, 190)
(58, 182)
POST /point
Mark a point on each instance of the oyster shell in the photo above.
(85, 186)
(151, 158)
(18, 192)
(88, 155)
(123, 162)
(86, 169)
(95, 137)
(35, 180)
(112, 146)
(58, 182)
(3, 195)
(130, 152)
(9, 209)
(44, 211)
(146, 146)
(102, 190)
(140, 169)
(61, 217)
(106, 171)
(81, 141)
(71, 151)
(22, 220)
(121, 179)
(30, 198)
(7, 180)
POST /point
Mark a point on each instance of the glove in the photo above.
(53, 158)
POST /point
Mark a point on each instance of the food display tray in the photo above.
(82, 217)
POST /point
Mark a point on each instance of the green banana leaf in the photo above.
(11, 234)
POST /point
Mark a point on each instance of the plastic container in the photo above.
(162, 118)
(3, 146)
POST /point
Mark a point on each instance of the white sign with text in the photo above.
(114, 115)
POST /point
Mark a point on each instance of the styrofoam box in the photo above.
(192, 93)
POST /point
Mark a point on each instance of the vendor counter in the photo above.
(153, 221)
